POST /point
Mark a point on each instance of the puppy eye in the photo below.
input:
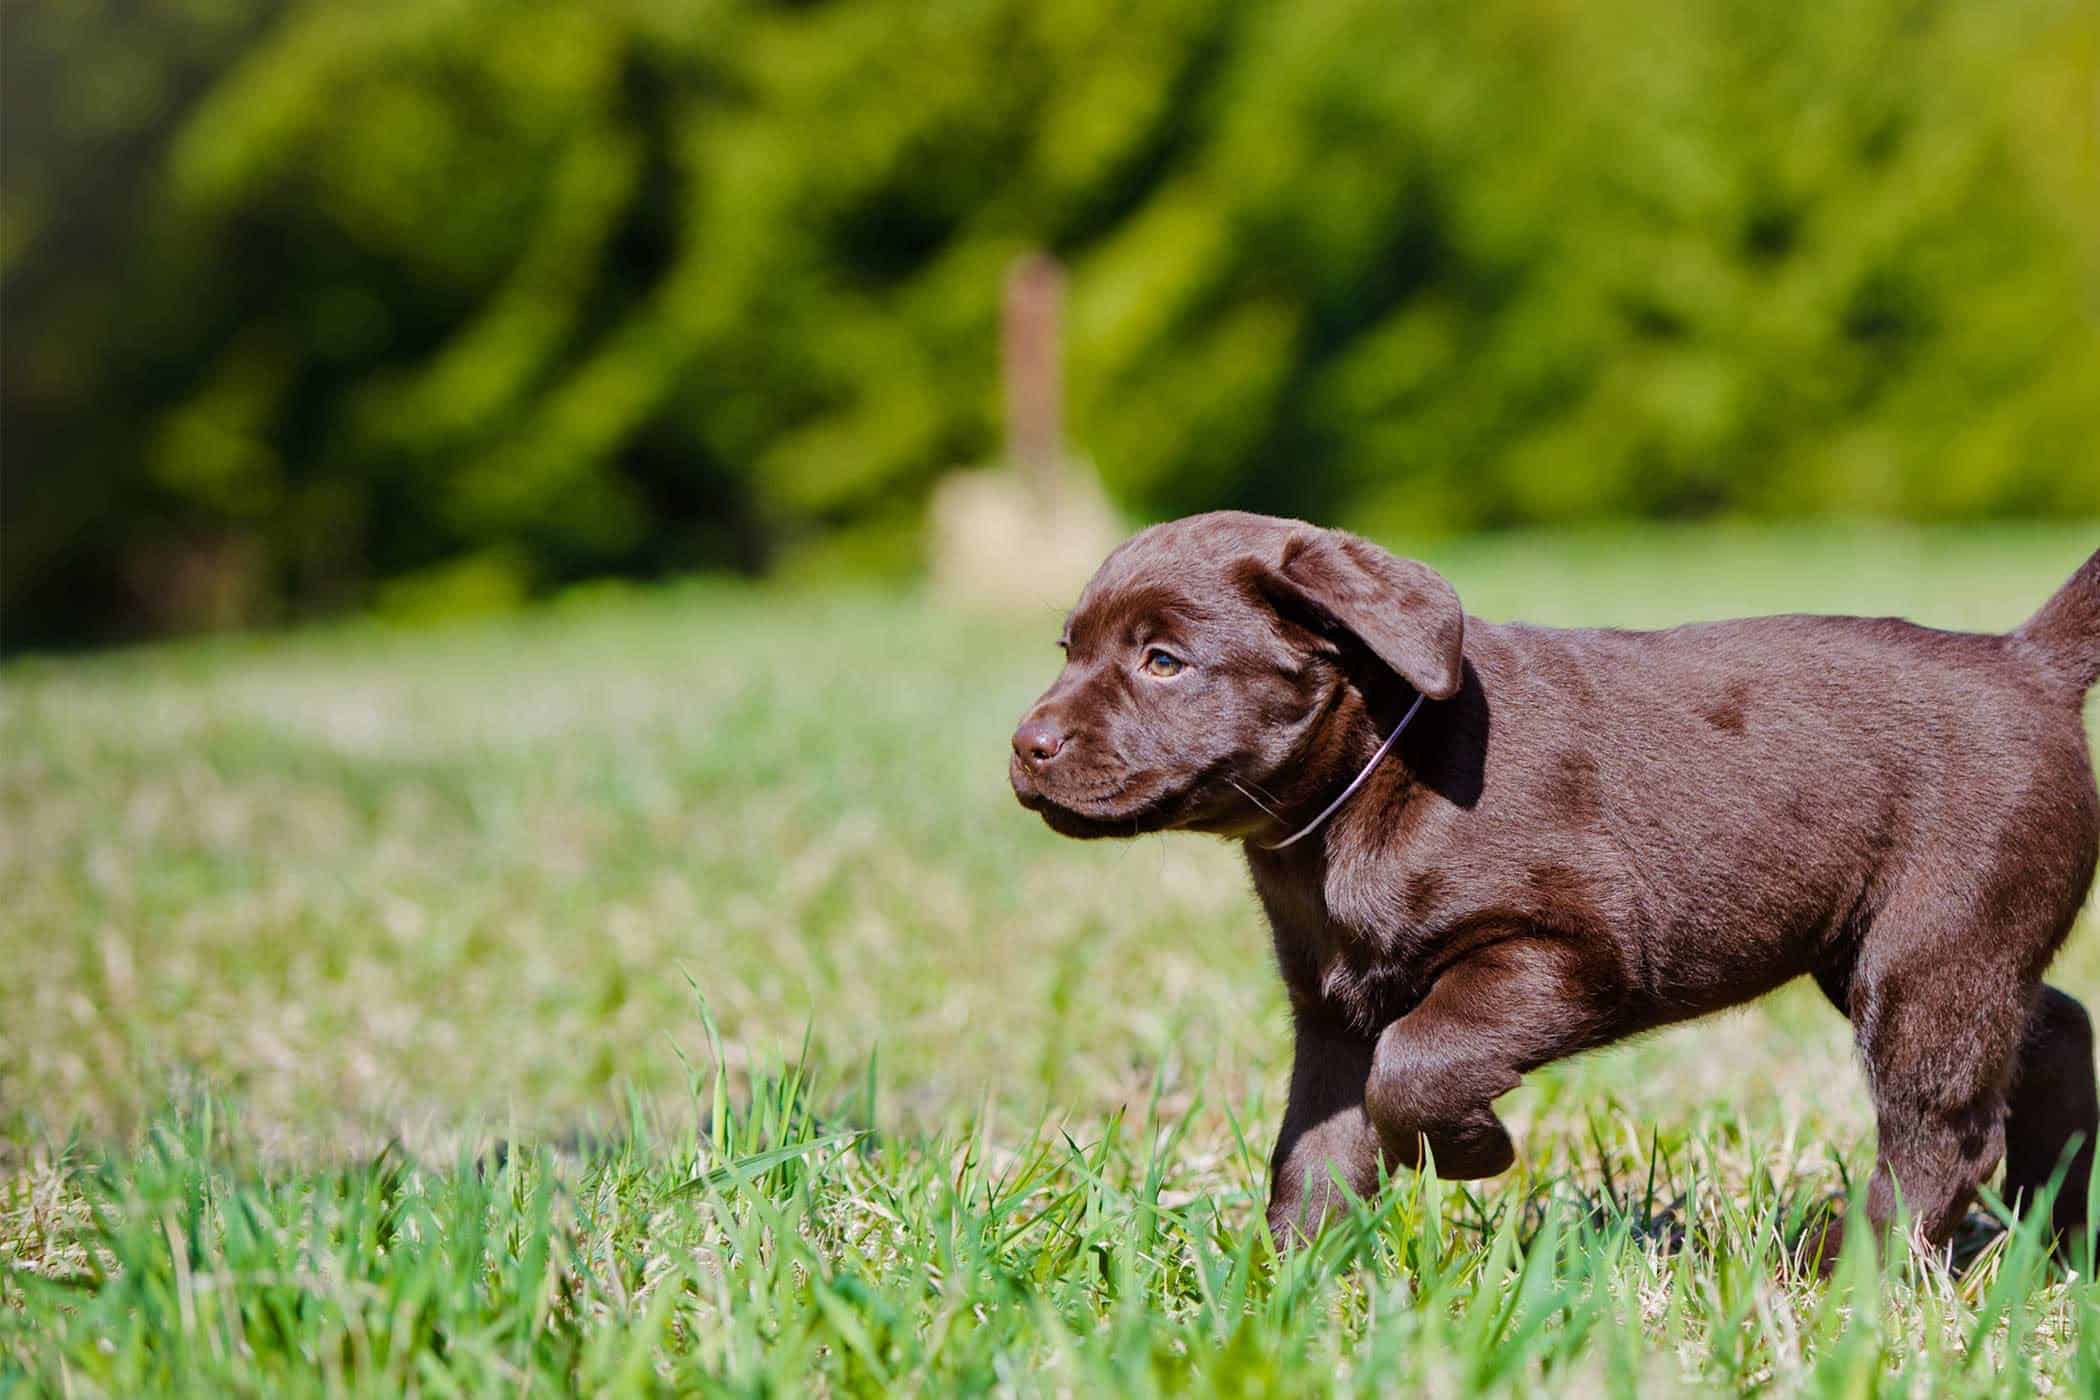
(1162, 664)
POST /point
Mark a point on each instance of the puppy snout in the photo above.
(1037, 741)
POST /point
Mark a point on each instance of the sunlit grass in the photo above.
(665, 991)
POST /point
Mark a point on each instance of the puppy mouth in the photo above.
(1107, 812)
(1066, 822)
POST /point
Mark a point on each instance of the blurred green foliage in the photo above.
(313, 303)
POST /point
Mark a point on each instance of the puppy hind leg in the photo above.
(1930, 1159)
(2051, 1103)
(1939, 1036)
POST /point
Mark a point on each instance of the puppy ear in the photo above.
(1403, 611)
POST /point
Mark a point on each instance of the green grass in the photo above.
(664, 992)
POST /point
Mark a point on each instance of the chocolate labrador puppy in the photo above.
(1482, 846)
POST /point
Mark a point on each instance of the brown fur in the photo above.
(1587, 834)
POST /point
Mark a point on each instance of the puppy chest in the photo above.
(1364, 976)
(1367, 939)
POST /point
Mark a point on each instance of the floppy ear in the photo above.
(1403, 611)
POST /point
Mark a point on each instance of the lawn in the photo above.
(661, 990)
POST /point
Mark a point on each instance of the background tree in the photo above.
(309, 304)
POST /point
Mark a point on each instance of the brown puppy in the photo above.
(1583, 835)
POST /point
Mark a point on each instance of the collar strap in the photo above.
(1383, 749)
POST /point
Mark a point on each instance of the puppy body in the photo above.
(1701, 814)
(1589, 834)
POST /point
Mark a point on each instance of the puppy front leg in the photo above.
(1325, 1133)
(1491, 1017)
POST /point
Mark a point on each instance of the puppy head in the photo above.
(1200, 661)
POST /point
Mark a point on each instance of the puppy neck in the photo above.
(1351, 756)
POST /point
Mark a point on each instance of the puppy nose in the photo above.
(1037, 743)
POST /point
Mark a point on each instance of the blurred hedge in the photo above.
(311, 303)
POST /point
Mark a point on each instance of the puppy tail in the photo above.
(2066, 632)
